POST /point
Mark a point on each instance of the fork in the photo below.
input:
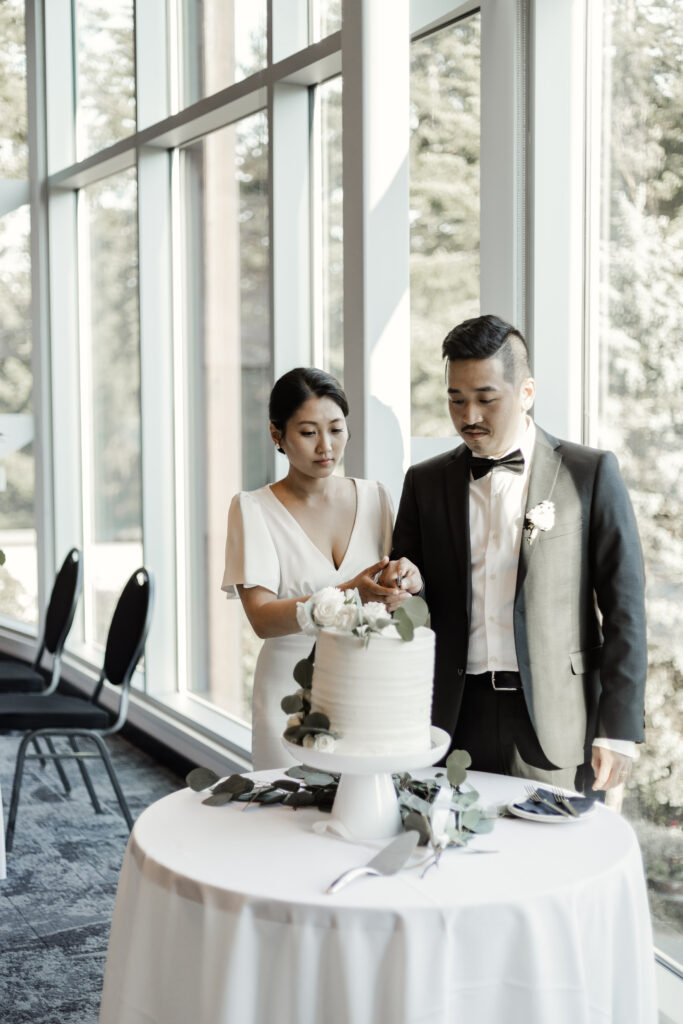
(536, 798)
(562, 800)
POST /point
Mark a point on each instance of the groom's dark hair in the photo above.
(485, 336)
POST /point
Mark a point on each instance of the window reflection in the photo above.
(110, 382)
(18, 576)
(105, 73)
(225, 186)
(223, 41)
(640, 380)
(444, 206)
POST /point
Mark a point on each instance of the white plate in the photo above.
(550, 819)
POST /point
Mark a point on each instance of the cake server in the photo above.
(387, 862)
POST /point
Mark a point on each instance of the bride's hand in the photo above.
(365, 584)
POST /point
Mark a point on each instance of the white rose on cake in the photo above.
(326, 606)
(319, 741)
(347, 618)
(374, 612)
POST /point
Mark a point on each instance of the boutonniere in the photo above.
(540, 517)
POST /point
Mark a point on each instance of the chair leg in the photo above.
(16, 787)
(85, 774)
(59, 766)
(114, 780)
(38, 751)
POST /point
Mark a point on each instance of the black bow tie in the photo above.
(480, 467)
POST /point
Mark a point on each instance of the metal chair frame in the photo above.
(73, 734)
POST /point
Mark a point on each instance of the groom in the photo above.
(532, 569)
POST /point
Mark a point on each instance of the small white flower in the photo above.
(324, 742)
(309, 741)
(305, 618)
(346, 617)
(373, 611)
(294, 721)
(540, 517)
(326, 605)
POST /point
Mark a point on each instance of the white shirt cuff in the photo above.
(626, 747)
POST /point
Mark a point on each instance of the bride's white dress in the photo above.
(267, 547)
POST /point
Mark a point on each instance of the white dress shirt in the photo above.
(497, 504)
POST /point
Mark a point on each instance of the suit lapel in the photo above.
(544, 469)
(458, 505)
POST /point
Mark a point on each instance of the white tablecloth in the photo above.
(221, 918)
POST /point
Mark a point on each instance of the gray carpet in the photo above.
(57, 900)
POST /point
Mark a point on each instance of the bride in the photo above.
(307, 531)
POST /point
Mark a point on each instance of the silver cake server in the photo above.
(387, 862)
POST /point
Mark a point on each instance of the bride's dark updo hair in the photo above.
(296, 387)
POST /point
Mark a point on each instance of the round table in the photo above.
(221, 917)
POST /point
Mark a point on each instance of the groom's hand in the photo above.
(404, 576)
(611, 769)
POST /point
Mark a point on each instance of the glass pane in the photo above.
(223, 41)
(105, 73)
(13, 143)
(18, 576)
(110, 381)
(332, 227)
(640, 378)
(327, 18)
(225, 185)
(444, 206)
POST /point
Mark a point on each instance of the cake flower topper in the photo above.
(342, 610)
(540, 517)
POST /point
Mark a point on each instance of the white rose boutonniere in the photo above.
(540, 517)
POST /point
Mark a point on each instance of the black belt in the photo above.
(501, 681)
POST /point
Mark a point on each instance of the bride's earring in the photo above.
(280, 449)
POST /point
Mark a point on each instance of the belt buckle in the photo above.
(501, 689)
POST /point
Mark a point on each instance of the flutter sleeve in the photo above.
(250, 555)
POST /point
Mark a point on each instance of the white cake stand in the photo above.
(366, 804)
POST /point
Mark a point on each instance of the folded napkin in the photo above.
(579, 803)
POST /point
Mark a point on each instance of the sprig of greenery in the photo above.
(440, 809)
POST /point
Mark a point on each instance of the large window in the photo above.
(226, 256)
(639, 369)
(329, 288)
(105, 73)
(110, 396)
(18, 582)
(222, 42)
(444, 206)
(19, 587)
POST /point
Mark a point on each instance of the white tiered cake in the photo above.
(377, 694)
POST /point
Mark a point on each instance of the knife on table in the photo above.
(387, 862)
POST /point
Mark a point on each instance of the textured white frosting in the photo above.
(377, 696)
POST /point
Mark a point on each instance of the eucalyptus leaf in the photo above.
(303, 673)
(218, 799)
(416, 609)
(415, 803)
(314, 778)
(234, 784)
(316, 720)
(302, 798)
(289, 785)
(484, 825)
(404, 624)
(201, 778)
(271, 796)
(292, 703)
(293, 733)
(470, 819)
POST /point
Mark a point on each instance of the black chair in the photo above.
(18, 676)
(72, 717)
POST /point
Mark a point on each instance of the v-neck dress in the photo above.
(266, 547)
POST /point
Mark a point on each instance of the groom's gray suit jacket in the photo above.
(579, 617)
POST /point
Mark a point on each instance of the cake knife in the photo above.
(387, 862)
